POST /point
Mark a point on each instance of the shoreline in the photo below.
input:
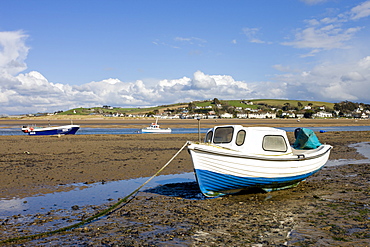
(183, 123)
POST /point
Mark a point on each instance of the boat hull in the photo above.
(220, 171)
(59, 130)
(156, 130)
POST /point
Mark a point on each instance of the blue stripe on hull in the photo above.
(54, 132)
(216, 184)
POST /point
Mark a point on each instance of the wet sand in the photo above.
(330, 208)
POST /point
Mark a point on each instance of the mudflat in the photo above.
(330, 208)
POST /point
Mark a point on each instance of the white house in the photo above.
(242, 115)
(323, 114)
(227, 115)
(262, 115)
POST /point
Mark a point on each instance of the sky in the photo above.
(59, 55)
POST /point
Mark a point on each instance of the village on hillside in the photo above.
(251, 110)
(212, 109)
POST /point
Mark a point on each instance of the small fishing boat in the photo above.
(234, 158)
(51, 130)
(154, 128)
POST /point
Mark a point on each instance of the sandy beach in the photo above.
(330, 208)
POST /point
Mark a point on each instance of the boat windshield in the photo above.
(209, 137)
(223, 135)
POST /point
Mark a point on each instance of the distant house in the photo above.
(288, 114)
(323, 114)
(262, 115)
(242, 115)
(227, 115)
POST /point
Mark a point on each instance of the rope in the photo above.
(96, 216)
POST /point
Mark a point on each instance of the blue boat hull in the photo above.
(216, 184)
(61, 130)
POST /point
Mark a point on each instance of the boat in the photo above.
(154, 128)
(234, 158)
(51, 130)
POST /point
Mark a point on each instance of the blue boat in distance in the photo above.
(51, 130)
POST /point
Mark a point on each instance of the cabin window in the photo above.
(209, 137)
(223, 135)
(240, 137)
(274, 143)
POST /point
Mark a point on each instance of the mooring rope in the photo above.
(96, 216)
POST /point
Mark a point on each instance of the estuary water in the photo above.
(120, 131)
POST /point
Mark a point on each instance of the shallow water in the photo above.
(100, 193)
(92, 194)
(106, 131)
(4, 130)
(362, 148)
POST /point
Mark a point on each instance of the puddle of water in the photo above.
(95, 194)
(362, 148)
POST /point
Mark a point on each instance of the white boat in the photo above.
(51, 130)
(234, 158)
(154, 128)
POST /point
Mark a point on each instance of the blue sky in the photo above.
(57, 55)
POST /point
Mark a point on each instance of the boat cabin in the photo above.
(251, 140)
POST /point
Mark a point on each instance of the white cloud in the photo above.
(325, 38)
(191, 40)
(313, 2)
(360, 11)
(329, 32)
(330, 82)
(13, 52)
(252, 34)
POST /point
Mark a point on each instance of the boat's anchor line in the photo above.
(126, 199)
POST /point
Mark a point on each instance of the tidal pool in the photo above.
(83, 195)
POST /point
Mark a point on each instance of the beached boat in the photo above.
(51, 130)
(235, 158)
(154, 128)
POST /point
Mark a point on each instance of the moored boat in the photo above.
(51, 130)
(234, 158)
(154, 128)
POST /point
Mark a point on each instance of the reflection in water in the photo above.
(94, 194)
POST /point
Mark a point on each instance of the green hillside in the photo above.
(256, 103)
(276, 103)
